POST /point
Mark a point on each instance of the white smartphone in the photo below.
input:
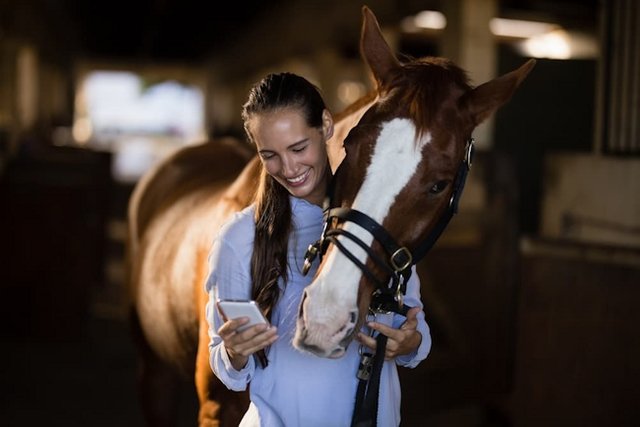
(232, 309)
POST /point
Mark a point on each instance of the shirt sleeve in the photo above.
(413, 299)
(228, 279)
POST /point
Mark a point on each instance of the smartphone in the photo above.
(232, 309)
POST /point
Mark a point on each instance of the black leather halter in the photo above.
(387, 297)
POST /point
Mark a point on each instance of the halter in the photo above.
(387, 297)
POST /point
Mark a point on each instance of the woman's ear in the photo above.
(327, 124)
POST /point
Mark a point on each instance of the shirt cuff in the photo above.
(412, 359)
(234, 380)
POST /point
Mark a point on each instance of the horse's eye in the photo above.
(438, 186)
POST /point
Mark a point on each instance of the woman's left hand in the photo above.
(400, 341)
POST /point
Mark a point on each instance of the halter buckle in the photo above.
(406, 264)
(309, 256)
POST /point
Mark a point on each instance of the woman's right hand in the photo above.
(242, 344)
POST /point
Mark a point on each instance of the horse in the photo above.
(396, 153)
(405, 163)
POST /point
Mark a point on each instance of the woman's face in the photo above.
(293, 153)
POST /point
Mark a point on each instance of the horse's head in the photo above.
(403, 171)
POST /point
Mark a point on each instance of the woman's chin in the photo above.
(299, 193)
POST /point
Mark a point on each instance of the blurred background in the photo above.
(531, 293)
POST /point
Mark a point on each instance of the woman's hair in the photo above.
(273, 211)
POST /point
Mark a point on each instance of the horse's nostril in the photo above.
(337, 352)
(301, 306)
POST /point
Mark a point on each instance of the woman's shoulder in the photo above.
(239, 229)
(230, 255)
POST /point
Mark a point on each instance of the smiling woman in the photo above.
(286, 119)
(293, 153)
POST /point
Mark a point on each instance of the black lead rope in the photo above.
(384, 299)
(365, 413)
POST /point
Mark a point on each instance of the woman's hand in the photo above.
(242, 344)
(400, 341)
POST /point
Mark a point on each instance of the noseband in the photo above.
(387, 297)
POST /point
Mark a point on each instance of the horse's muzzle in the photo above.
(325, 335)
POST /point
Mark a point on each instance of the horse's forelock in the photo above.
(421, 87)
(424, 85)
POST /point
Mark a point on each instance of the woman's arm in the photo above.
(229, 278)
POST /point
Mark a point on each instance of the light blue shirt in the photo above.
(296, 389)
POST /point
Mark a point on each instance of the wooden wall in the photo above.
(578, 344)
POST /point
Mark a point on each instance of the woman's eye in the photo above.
(438, 186)
(300, 149)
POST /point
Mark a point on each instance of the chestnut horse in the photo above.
(394, 192)
(403, 145)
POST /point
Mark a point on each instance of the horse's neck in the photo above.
(242, 191)
(342, 127)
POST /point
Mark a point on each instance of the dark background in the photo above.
(519, 339)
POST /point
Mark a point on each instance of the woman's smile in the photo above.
(298, 180)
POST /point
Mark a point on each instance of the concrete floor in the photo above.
(88, 380)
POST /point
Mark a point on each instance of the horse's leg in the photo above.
(219, 406)
(158, 384)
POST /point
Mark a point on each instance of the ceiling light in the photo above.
(553, 45)
(518, 28)
(424, 20)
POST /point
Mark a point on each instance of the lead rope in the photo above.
(365, 413)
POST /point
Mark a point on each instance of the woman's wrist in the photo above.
(238, 361)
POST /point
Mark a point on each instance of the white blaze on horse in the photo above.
(406, 147)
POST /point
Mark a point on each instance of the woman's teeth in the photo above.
(297, 179)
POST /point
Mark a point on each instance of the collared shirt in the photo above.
(296, 388)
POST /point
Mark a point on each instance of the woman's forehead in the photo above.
(291, 114)
(281, 128)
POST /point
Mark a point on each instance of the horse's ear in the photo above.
(485, 99)
(374, 48)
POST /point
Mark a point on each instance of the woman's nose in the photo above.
(288, 167)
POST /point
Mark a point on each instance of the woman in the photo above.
(258, 255)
